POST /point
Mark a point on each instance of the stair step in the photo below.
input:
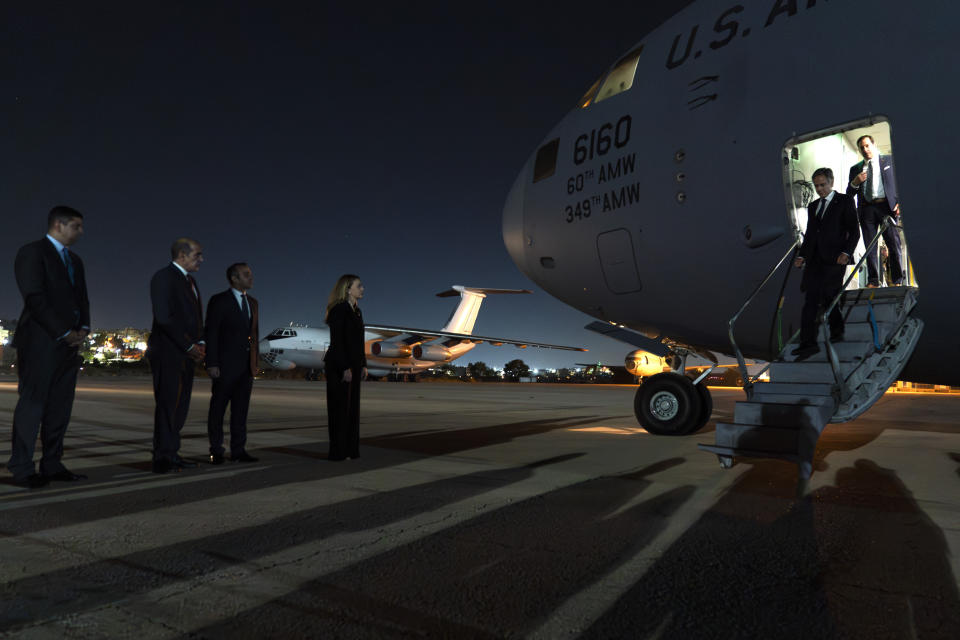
(847, 351)
(882, 312)
(787, 398)
(863, 332)
(757, 438)
(809, 371)
(804, 389)
(783, 415)
(749, 453)
(879, 295)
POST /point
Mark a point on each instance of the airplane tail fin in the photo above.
(465, 315)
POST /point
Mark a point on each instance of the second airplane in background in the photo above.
(396, 350)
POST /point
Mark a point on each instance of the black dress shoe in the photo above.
(244, 457)
(163, 466)
(836, 337)
(183, 463)
(216, 458)
(65, 476)
(805, 351)
(32, 481)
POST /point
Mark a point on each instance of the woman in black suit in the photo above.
(345, 367)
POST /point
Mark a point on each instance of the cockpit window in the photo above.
(587, 98)
(621, 76)
(282, 333)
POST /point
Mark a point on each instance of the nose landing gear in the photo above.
(671, 404)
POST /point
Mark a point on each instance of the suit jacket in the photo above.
(177, 314)
(232, 338)
(52, 306)
(887, 175)
(836, 232)
(346, 339)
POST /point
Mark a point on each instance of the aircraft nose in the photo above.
(513, 221)
(264, 346)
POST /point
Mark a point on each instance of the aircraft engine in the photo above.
(431, 352)
(643, 363)
(388, 350)
(276, 362)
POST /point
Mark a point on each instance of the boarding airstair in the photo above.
(784, 417)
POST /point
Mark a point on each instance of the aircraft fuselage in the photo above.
(662, 206)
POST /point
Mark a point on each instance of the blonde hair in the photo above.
(339, 293)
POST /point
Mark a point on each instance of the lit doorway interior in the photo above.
(836, 148)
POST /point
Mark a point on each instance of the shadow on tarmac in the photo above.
(439, 443)
(855, 560)
(91, 585)
(219, 481)
(498, 575)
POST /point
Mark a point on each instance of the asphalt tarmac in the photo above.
(482, 511)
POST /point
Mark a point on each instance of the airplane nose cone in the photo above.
(513, 221)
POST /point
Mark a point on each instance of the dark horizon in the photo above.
(305, 140)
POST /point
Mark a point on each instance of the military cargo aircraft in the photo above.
(396, 351)
(670, 200)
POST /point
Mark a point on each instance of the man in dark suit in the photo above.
(175, 346)
(874, 183)
(828, 245)
(54, 323)
(232, 354)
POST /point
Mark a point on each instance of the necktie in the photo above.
(196, 295)
(871, 191)
(69, 264)
(821, 208)
(245, 306)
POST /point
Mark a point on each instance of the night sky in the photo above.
(307, 139)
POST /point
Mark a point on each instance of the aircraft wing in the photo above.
(629, 336)
(411, 337)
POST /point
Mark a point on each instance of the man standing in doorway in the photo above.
(828, 246)
(232, 353)
(54, 323)
(175, 346)
(874, 183)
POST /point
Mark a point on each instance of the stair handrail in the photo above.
(741, 363)
(831, 352)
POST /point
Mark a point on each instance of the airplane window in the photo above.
(587, 98)
(546, 162)
(621, 77)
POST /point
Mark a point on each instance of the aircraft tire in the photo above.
(668, 404)
(706, 406)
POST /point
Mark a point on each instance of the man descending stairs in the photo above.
(783, 418)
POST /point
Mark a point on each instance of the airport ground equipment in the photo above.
(783, 418)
